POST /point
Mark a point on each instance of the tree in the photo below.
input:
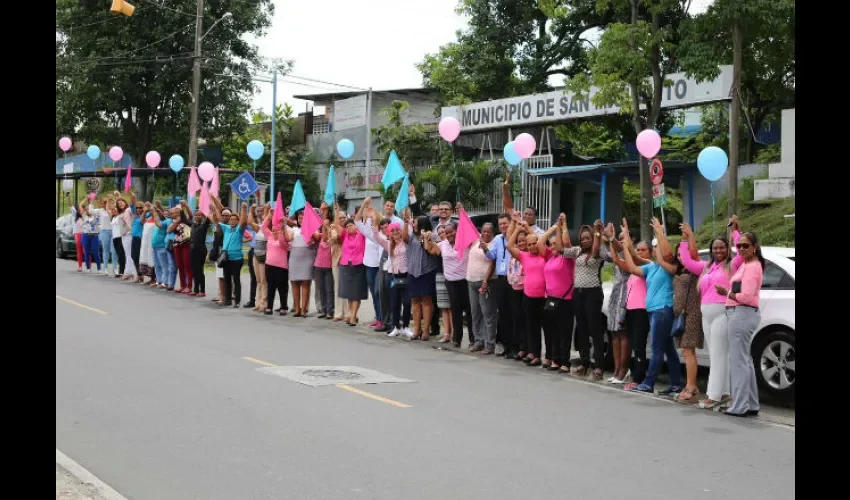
(764, 64)
(415, 144)
(630, 65)
(290, 157)
(127, 80)
(511, 47)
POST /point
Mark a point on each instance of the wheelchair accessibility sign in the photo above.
(244, 186)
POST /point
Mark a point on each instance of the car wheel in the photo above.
(774, 357)
(60, 254)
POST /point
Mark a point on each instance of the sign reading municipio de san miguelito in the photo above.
(558, 105)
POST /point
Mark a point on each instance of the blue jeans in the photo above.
(372, 283)
(108, 253)
(91, 249)
(163, 262)
(660, 329)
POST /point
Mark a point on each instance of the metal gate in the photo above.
(535, 191)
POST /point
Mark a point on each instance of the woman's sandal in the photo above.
(565, 369)
(687, 396)
(535, 362)
(581, 371)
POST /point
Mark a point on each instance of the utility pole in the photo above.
(196, 87)
(735, 117)
(272, 196)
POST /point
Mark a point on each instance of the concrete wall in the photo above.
(789, 126)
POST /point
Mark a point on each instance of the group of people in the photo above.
(519, 285)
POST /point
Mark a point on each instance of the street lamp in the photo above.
(196, 80)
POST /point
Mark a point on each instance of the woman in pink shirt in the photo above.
(323, 273)
(534, 285)
(713, 305)
(399, 298)
(454, 270)
(352, 272)
(558, 276)
(743, 317)
(277, 264)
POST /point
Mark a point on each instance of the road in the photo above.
(166, 397)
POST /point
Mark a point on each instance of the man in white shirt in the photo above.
(380, 284)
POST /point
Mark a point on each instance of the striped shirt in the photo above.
(588, 272)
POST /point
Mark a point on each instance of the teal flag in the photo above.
(394, 171)
(403, 200)
(298, 199)
(330, 188)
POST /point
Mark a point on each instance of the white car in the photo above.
(774, 342)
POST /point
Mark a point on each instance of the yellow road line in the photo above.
(259, 361)
(373, 396)
(92, 309)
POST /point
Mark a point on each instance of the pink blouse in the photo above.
(277, 252)
(716, 274)
(323, 256)
(750, 274)
(398, 259)
(534, 284)
(635, 293)
(353, 248)
(559, 272)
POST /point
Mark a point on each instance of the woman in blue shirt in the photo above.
(659, 306)
(232, 229)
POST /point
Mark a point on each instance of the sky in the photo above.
(374, 43)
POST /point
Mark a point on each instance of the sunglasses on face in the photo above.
(743, 246)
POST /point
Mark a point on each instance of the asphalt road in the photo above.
(155, 396)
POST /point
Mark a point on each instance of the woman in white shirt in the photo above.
(116, 242)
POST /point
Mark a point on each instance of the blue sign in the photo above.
(244, 186)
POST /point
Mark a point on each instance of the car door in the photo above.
(778, 297)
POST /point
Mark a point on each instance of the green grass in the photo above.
(765, 218)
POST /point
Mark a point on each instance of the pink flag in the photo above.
(204, 202)
(194, 182)
(128, 182)
(214, 184)
(277, 216)
(466, 234)
(312, 222)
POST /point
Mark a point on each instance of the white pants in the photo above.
(129, 265)
(717, 340)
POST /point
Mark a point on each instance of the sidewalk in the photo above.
(69, 487)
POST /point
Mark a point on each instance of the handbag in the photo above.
(679, 322)
(400, 281)
(223, 258)
(552, 302)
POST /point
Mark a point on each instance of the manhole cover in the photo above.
(335, 374)
(331, 375)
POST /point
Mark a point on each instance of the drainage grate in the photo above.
(316, 376)
(332, 374)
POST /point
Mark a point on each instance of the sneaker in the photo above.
(673, 390)
(395, 333)
(642, 388)
(374, 324)
(407, 332)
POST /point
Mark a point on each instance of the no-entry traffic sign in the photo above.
(656, 171)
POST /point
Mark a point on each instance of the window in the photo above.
(775, 278)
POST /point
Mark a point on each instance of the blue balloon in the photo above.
(345, 148)
(712, 163)
(176, 163)
(93, 152)
(256, 150)
(511, 156)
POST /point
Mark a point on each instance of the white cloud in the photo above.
(363, 44)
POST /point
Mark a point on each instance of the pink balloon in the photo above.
(525, 145)
(116, 153)
(449, 128)
(152, 159)
(648, 143)
(92, 195)
(206, 171)
(65, 143)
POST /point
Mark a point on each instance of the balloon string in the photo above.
(713, 210)
(454, 167)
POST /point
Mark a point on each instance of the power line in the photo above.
(160, 6)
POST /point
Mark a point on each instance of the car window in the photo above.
(792, 259)
(775, 278)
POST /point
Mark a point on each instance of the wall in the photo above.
(572, 203)
(789, 125)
